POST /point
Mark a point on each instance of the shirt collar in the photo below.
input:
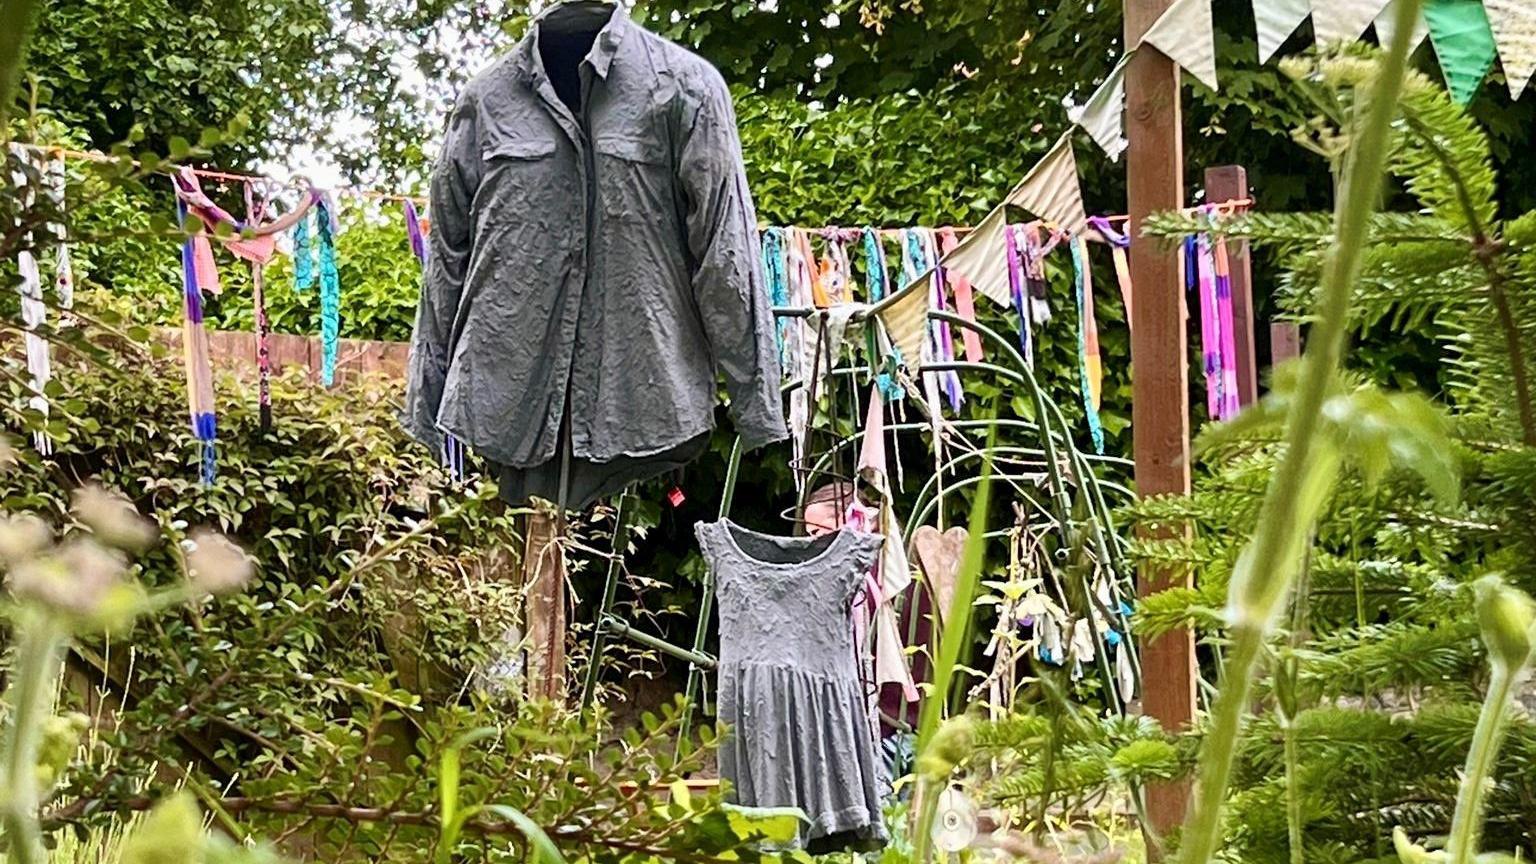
(604, 47)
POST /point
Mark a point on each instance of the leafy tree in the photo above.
(360, 79)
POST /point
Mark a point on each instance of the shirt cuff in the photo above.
(761, 427)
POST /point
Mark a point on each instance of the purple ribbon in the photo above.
(413, 230)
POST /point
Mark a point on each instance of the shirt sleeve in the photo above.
(454, 181)
(727, 277)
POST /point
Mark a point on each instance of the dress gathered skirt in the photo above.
(789, 689)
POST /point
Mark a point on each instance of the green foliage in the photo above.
(1039, 760)
(1373, 707)
(302, 72)
(286, 708)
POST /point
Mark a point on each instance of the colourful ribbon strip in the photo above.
(1226, 320)
(775, 271)
(810, 271)
(304, 276)
(414, 233)
(64, 278)
(1090, 368)
(254, 211)
(918, 260)
(1034, 248)
(965, 300)
(876, 276)
(194, 341)
(1201, 270)
(1016, 288)
(453, 452)
(1118, 244)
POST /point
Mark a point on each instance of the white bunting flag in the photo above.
(1183, 33)
(1103, 115)
(1514, 30)
(1277, 20)
(1386, 25)
(1343, 20)
(1050, 191)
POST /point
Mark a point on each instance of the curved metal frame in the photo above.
(1076, 505)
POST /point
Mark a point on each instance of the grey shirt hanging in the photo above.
(592, 266)
(799, 731)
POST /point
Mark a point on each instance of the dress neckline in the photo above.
(729, 528)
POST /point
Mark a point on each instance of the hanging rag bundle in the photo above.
(877, 276)
(876, 280)
(1034, 249)
(836, 276)
(799, 347)
(1090, 368)
(414, 233)
(1013, 239)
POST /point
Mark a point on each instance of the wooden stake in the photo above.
(543, 569)
(1230, 183)
(1160, 366)
(1284, 342)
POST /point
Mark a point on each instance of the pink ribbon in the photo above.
(965, 302)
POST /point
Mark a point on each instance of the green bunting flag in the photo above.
(1463, 40)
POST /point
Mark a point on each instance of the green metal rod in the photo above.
(1045, 409)
(620, 627)
(707, 601)
(610, 591)
(732, 471)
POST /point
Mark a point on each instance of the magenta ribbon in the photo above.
(1210, 326)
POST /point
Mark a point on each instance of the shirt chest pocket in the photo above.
(520, 169)
(634, 179)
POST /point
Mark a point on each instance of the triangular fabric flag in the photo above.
(1103, 115)
(1183, 33)
(1276, 21)
(977, 255)
(1386, 25)
(1050, 191)
(905, 316)
(1463, 41)
(1514, 28)
(1343, 20)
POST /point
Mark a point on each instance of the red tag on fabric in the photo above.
(675, 496)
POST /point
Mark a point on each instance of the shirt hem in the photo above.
(520, 463)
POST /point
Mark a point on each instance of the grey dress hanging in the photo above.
(799, 733)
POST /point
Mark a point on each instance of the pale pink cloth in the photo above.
(965, 301)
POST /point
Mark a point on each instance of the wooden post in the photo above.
(1284, 342)
(1230, 183)
(544, 605)
(1160, 366)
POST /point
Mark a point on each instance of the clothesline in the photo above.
(375, 194)
(298, 182)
